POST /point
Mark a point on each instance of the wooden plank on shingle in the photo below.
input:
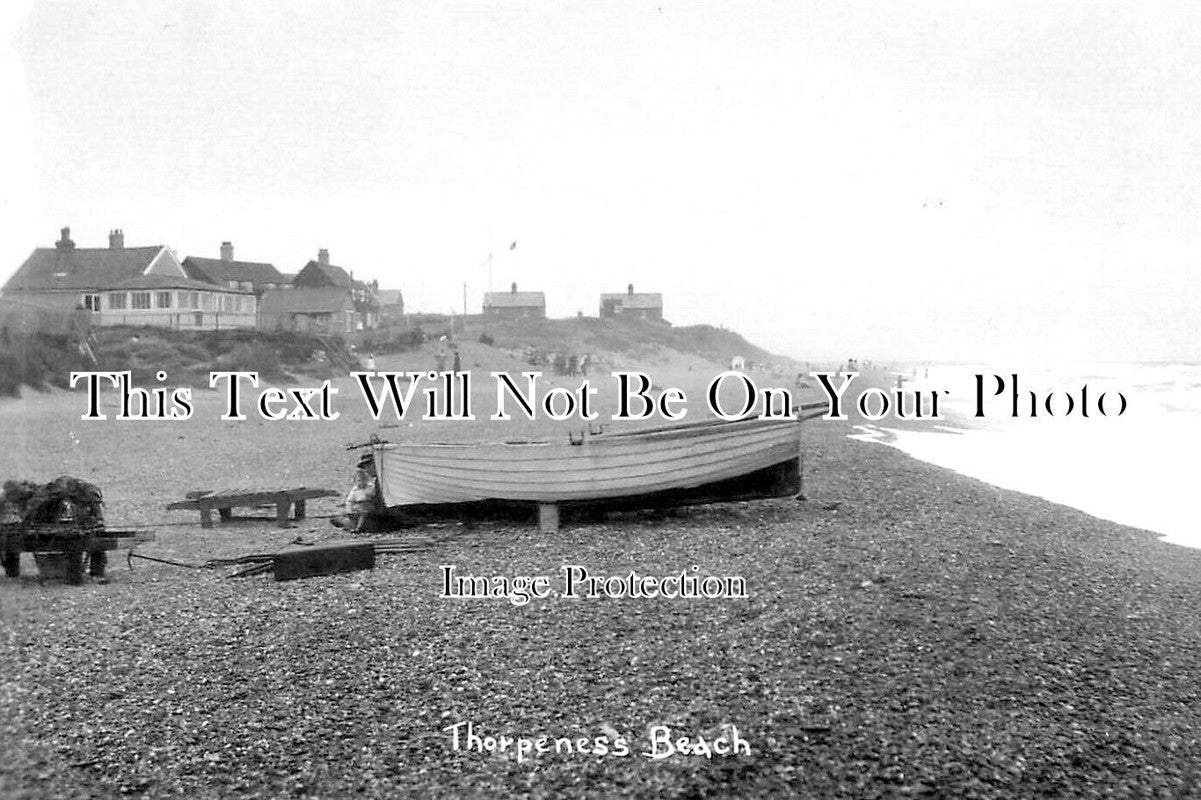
(328, 558)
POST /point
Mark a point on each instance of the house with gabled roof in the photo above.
(255, 276)
(514, 304)
(632, 305)
(127, 286)
(321, 274)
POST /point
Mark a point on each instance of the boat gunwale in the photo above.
(658, 433)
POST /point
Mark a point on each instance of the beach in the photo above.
(907, 631)
(310, 270)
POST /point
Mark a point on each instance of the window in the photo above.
(193, 299)
(140, 300)
(91, 302)
(162, 300)
(116, 300)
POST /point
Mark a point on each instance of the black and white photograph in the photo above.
(631, 399)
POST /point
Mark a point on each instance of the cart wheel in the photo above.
(97, 561)
(74, 567)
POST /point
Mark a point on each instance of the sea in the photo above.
(1139, 467)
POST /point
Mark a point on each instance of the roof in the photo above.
(81, 268)
(305, 301)
(390, 297)
(315, 273)
(172, 282)
(218, 270)
(635, 300)
(514, 299)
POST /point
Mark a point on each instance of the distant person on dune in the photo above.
(441, 351)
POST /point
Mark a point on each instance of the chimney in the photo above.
(227, 251)
(630, 289)
(116, 239)
(513, 288)
(323, 257)
(65, 242)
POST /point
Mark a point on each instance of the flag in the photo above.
(513, 246)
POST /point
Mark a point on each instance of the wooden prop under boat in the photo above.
(707, 461)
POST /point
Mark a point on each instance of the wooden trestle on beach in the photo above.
(226, 500)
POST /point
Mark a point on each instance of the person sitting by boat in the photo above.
(360, 502)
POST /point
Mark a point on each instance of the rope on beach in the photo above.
(132, 555)
(154, 524)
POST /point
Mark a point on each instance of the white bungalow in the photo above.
(127, 286)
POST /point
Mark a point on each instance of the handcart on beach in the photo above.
(61, 523)
(60, 549)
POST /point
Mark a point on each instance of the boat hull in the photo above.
(679, 465)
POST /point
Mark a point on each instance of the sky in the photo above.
(929, 181)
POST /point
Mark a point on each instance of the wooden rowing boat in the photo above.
(681, 464)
